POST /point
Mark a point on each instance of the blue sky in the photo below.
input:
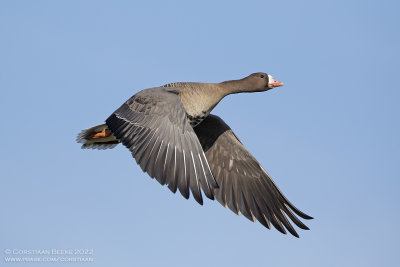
(329, 137)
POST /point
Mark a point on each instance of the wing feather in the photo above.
(245, 187)
(153, 126)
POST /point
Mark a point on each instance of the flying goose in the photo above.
(174, 138)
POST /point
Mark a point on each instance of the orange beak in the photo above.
(275, 83)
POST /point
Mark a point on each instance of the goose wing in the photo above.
(153, 126)
(244, 186)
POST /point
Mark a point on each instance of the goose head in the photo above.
(261, 81)
(256, 82)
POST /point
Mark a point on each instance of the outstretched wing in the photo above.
(153, 126)
(244, 186)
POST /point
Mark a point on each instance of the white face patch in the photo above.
(270, 78)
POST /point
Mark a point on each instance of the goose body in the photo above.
(174, 138)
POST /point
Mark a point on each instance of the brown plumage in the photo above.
(173, 137)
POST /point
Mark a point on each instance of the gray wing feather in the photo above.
(245, 187)
(153, 126)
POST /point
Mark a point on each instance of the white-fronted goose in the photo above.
(173, 137)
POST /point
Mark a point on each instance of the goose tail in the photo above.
(97, 137)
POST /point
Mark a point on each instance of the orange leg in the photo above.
(104, 133)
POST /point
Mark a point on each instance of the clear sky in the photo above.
(329, 137)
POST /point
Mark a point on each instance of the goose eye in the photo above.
(262, 76)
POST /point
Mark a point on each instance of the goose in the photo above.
(173, 137)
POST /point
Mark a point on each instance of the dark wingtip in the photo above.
(298, 212)
(184, 192)
(293, 232)
(306, 228)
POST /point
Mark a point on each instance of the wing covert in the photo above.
(153, 126)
